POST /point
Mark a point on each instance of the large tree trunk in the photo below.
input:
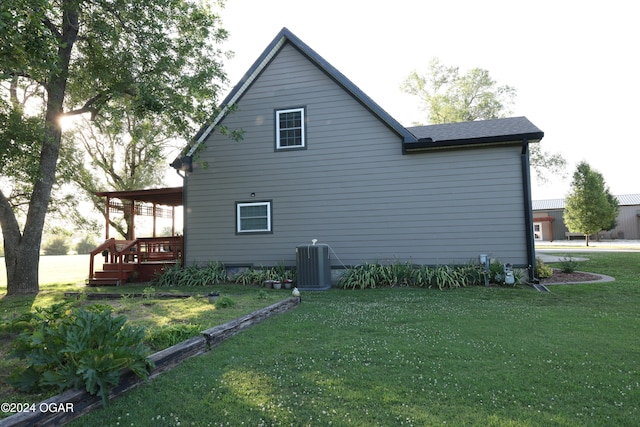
(22, 251)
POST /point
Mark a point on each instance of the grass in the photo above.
(167, 321)
(58, 269)
(472, 356)
(401, 356)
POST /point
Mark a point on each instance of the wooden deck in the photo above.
(136, 260)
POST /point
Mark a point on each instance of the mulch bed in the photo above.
(560, 277)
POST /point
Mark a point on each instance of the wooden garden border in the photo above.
(82, 402)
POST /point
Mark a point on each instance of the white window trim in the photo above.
(302, 124)
(240, 205)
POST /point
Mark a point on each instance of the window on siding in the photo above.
(253, 217)
(290, 128)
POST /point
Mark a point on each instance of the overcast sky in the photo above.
(574, 63)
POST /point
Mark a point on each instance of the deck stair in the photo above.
(131, 260)
(110, 275)
(120, 263)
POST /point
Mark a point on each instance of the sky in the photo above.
(575, 64)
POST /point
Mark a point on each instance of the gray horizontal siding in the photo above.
(351, 188)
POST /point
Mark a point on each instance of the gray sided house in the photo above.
(320, 160)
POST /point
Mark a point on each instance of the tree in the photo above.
(86, 245)
(86, 56)
(448, 96)
(123, 153)
(589, 207)
(56, 246)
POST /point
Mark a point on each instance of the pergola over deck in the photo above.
(138, 258)
(137, 203)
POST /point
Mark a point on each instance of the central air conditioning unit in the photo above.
(313, 267)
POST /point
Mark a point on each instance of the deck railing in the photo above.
(144, 250)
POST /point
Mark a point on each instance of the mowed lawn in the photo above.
(413, 357)
(57, 269)
(417, 357)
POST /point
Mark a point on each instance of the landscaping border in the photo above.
(54, 411)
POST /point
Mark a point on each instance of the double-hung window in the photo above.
(254, 217)
(290, 132)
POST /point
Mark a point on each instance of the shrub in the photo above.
(252, 276)
(224, 302)
(361, 276)
(496, 272)
(213, 274)
(77, 348)
(441, 276)
(86, 245)
(56, 246)
(568, 265)
(169, 335)
(542, 270)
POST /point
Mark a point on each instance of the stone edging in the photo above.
(603, 279)
(164, 360)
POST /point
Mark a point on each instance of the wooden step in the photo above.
(114, 267)
(107, 274)
(106, 281)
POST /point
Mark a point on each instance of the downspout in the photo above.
(528, 209)
(185, 165)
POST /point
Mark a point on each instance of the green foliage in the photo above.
(251, 276)
(56, 246)
(405, 274)
(451, 97)
(213, 273)
(496, 272)
(454, 350)
(86, 245)
(568, 265)
(448, 97)
(159, 338)
(140, 64)
(589, 207)
(542, 271)
(225, 302)
(77, 348)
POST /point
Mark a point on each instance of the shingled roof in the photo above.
(476, 132)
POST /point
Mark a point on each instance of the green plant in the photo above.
(496, 272)
(74, 348)
(542, 270)
(193, 275)
(148, 292)
(568, 265)
(56, 246)
(252, 276)
(168, 335)
(225, 302)
(405, 274)
(381, 354)
(361, 276)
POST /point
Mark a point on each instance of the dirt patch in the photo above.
(575, 277)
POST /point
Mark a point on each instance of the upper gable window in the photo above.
(290, 132)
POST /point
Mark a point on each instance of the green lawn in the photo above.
(57, 269)
(388, 357)
(473, 356)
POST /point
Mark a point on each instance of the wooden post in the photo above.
(154, 219)
(106, 215)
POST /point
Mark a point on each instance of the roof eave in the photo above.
(428, 144)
